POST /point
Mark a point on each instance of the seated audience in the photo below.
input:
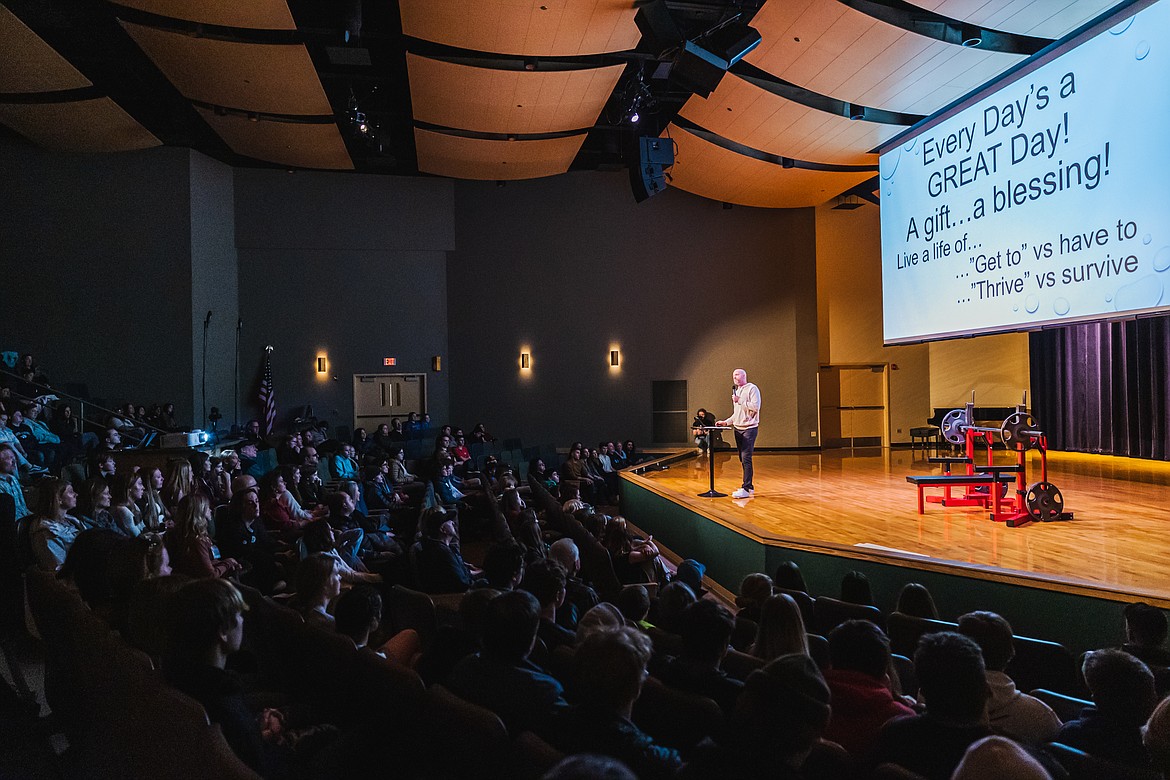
(435, 558)
(778, 720)
(855, 589)
(1010, 712)
(1000, 758)
(94, 502)
(358, 615)
(754, 590)
(706, 631)
(673, 600)
(788, 577)
(10, 482)
(633, 601)
(242, 535)
(154, 513)
(8, 438)
(862, 701)
(500, 677)
(915, 600)
(1145, 634)
(635, 560)
(1122, 688)
(781, 629)
(953, 682)
(344, 464)
(545, 579)
(178, 484)
(189, 543)
(503, 566)
(282, 514)
(53, 529)
(579, 596)
(400, 476)
(206, 627)
(692, 572)
(1156, 738)
(609, 669)
(318, 584)
(127, 490)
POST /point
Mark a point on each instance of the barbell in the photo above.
(1019, 431)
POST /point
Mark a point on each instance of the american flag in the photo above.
(267, 393)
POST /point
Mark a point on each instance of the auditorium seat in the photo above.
(1066, 707)
(1042, 664)
(818, 650)
(459, 739)
(1082, 766)
(831, 612)
(674, 718)
(906, 675)
(905, 631)
(894, 772)
(533, 757)
(406, 608)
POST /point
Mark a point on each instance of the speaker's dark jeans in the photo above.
(745, 442)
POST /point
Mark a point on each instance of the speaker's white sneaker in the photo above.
(742, 493)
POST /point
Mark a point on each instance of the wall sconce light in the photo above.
(321, 364)
(437, 363)
(615, 358)
(525, 360)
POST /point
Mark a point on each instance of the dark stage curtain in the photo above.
(1104, 387)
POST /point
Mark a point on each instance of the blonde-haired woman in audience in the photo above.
(127, 490)
(189, 544)
(178, 484)
(781, 629)
(318, 584)
(54, 528)
(154, 513)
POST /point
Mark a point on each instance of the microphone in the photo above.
(207, 320)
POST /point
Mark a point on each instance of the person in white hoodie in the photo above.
(745, 420)
(1011, 713)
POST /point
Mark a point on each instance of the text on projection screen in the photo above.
(1045, 202)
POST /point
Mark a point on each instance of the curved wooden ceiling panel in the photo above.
(286, 143)
(98, 125)
(477, 158)
(1049, 19)
(253, 14)
(508, 101)
(702, 168)
(829, 48)
(548, 28)
(269, 78)
(28, 64)
(740, 111)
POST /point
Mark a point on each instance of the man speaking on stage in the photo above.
(745, 419)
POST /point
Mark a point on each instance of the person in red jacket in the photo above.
(860, 686)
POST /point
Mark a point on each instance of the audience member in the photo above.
(154, 513)
(9, 481)
(603, 617)
(503, 566)
(953, 682)
(855, 589)
(1156, 737)
(127, 491)
(189, 543)
(706, 628)
(915, 600)
(94, 502)
(206, 627)
(1010, 712)
(545, 579)
(8, 438)
(999, 758)
(243, 536)
(781, 629)
(318, 584)
(673, 600)
(779, 718)
(54, 529)
(609, 669)
(580, 597)
(788, 577)
(862, 701)
(1122, 688)
(500, 677)
(358, 615)
(435, 558)
(1145, 634)
(633, 601)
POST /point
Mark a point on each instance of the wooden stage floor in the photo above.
(858, 501)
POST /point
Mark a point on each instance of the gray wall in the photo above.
(349, 266)
(214, 287)
(569, 267)
(97, 252)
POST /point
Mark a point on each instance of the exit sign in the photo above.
(389, 361)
